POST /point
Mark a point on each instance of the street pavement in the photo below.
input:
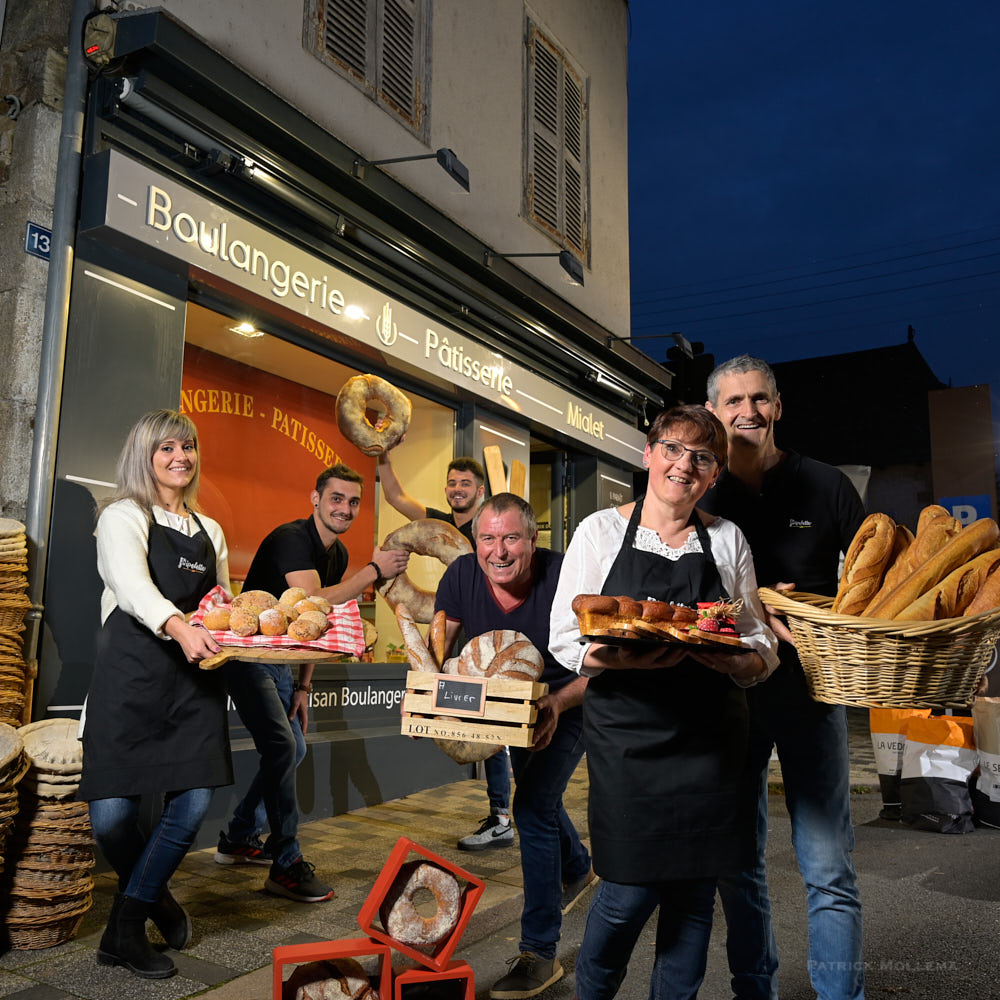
(931, 906)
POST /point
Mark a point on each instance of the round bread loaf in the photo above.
(352, 417)
(316, 616)
(501, 653)
(255, 600)
(331, 979)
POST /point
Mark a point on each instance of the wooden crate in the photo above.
(508, 718)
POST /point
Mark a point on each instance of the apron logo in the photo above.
(194, 567)
(793, 523)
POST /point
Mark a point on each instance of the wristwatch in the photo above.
(303, 687)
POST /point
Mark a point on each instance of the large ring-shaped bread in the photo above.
(400, 917)
(352, 402)
(426, 537)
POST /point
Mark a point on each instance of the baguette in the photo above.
(438, 631)
(955, 592)
(929, 513)
(865, 564)
(965, 546)
(988, 597)
(899, 566)
(933, 535)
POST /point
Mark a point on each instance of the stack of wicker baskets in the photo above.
(50, 851)
(874, 663)
(13, 764)
(13, 604)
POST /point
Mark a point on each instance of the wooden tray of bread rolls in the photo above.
(505, 711)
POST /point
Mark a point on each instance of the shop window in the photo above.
(381, 47)
(557, 174)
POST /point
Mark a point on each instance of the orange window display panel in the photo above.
(458, 973)
(264, 440)
(319, 951)
(369, 921)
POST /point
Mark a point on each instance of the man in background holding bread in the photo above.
(509, 583)
(798, 516)
(463, 490)
(306, 554)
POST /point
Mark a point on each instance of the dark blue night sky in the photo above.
(811, 178)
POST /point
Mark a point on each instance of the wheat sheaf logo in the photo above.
(387, 330)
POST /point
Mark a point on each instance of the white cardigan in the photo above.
(593, 549)
(122, 554)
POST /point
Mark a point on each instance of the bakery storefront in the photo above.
(185, 294)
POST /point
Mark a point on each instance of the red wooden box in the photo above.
(438, 959)
(453, 970)
(316, 951)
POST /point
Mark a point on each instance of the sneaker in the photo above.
(572, 892)
(495, 831)
(252, 852)
(298, 881)
(528, 976)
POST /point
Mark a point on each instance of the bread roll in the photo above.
(978, 537)
(303, 630)
(290, 613)
(322, 604)
(244, 621)
(315, 616)
(217, 619)
(273, 622)
(865, 564)
(292, 596)
(305, 605)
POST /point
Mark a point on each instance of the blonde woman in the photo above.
(154, 723)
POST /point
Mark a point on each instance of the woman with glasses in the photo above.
(665, 726)
(154, 723)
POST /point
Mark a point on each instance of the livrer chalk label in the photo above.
(460, 696)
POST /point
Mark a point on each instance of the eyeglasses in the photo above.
(703, 461)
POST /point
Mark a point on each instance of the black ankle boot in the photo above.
(171, 920)
(124, 941)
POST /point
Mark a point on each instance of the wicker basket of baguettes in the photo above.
(915, 620)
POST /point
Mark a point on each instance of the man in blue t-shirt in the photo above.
(463, 491)
(509, 583)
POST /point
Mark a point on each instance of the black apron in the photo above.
(156, 723)
(666, 748)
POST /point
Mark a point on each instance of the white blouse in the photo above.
(592, 551)
(122, 554)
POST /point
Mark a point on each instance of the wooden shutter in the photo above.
(346, 31)
(557, 179)
(398, 52)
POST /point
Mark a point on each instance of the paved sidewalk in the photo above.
(237, 924)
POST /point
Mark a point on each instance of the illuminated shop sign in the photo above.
(155, 211)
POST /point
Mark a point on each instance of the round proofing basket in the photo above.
(874, 663)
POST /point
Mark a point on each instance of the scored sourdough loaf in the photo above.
(865, 564)
(965, 546)
(955, 592)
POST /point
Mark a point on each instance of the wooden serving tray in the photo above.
(644, 643)
(262, 654)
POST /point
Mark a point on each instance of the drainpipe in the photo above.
(54, 326)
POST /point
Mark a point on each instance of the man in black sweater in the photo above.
(798, 515)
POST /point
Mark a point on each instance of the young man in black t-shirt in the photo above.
(306, 553)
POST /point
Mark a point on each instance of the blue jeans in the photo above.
(811, 739)
(617, 917)
(497, 771)
(144, 865)
(262, 694)
(551, 850)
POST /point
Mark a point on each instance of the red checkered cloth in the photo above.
(345, 635)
